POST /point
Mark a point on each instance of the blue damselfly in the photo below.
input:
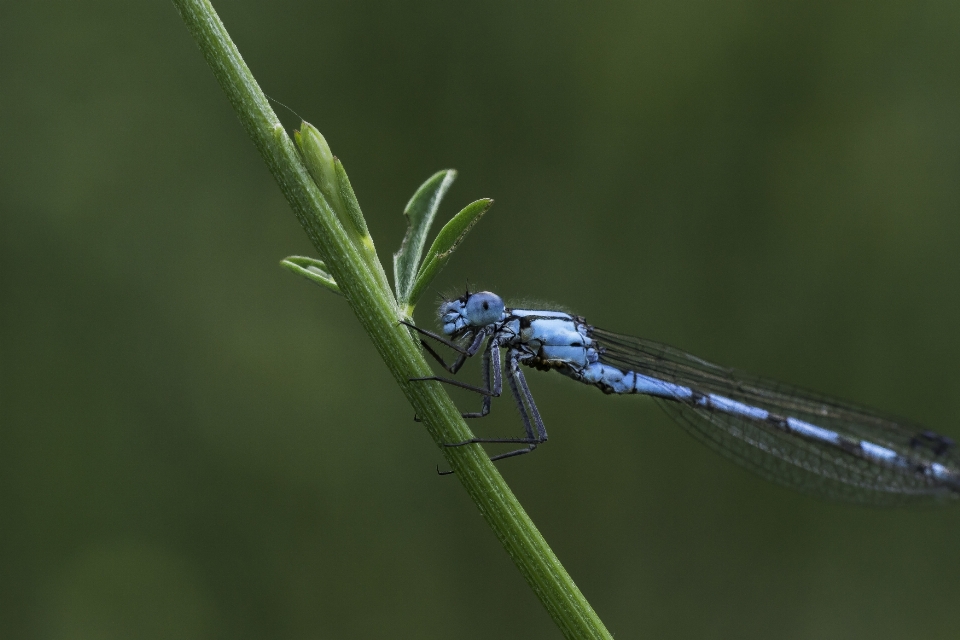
(795, 437)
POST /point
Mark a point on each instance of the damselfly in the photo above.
(797, 438)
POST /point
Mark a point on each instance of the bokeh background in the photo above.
(194, 443)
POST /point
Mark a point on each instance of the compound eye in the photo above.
(484, 308)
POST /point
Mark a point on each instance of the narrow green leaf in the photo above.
(349, 199)
(420, 212)
(313, 270)
(444, 245)
(320, 163)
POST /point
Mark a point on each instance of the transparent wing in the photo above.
(782, 456)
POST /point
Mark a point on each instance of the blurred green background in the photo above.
(194, 443)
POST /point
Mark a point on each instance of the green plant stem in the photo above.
(377, 311)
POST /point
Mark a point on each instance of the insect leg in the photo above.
(491, 364)
(531, 417)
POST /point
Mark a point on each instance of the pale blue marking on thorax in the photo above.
(550, 337)
(523, 313)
